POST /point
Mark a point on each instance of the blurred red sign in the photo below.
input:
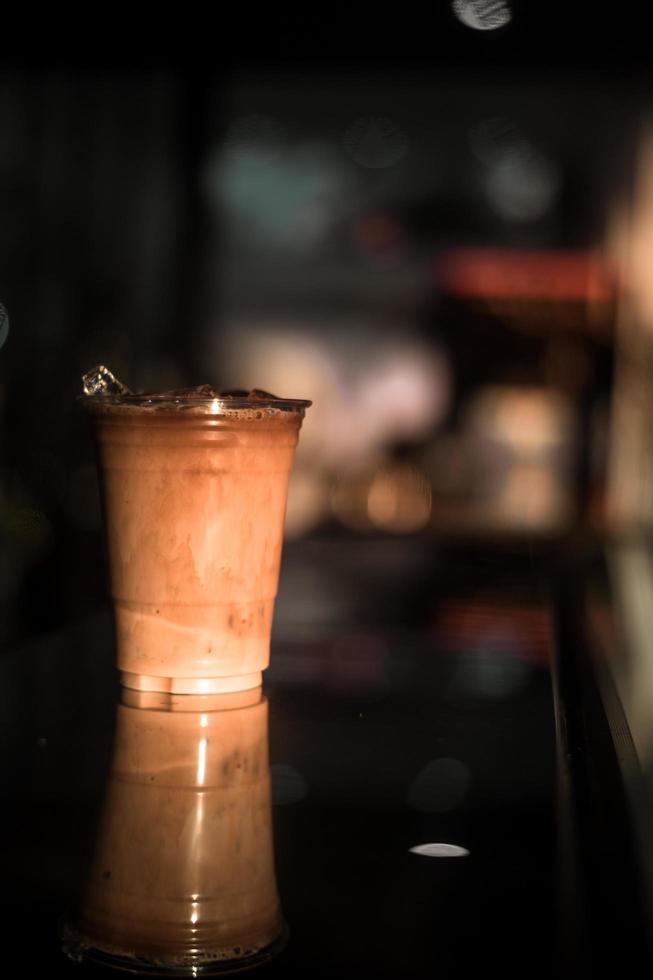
(538, 275)
(526, 629)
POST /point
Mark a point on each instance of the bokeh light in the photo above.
(349, 499)
(281, 199)
(520, 181)
(482, 15)
(369, 388)
(523, 440)
(371, 391)
(399, 499)
(308, 502)
(522, 184)
(528, 420)
(436, 850)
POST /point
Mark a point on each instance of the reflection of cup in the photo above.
(194, 496)
(183, 873)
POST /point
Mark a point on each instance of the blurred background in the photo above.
(437, 233)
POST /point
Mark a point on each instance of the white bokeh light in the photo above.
(482, 15)
(439, 850)
(520, 181)
(522, 186)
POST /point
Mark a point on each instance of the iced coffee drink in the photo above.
(194, 487)
(183, 874)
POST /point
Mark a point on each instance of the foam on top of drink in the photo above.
(103, 392)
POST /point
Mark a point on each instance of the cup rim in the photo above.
(212, 406)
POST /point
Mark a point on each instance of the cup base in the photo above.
(190, 685)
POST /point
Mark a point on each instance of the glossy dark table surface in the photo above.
(428, 724)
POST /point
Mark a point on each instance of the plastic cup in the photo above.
(194, 493)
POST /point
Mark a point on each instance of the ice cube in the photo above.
(100, 381)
